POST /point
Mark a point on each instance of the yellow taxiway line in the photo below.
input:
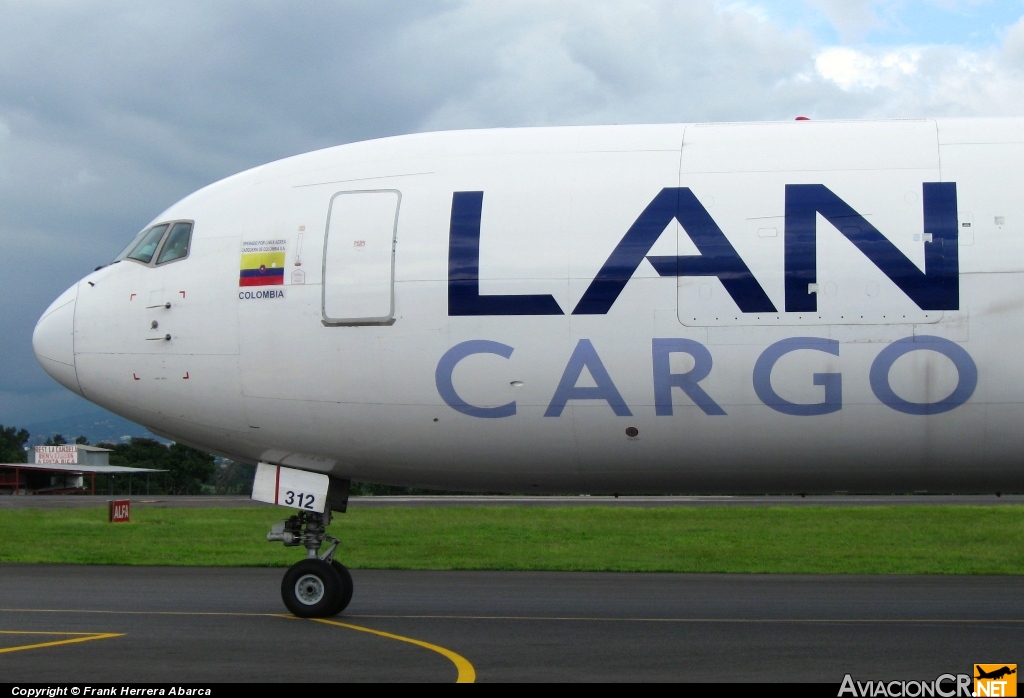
(466, 672)
(81, 637)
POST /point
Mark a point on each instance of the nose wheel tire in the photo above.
(313, 588)
(346, 586)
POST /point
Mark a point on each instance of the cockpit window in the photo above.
(163, 243)
(146, 248)
(176, 245)
(130, 247)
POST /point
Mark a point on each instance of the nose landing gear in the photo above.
(318, 586)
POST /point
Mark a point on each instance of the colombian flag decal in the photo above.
(262, 263)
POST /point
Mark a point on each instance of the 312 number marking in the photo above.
(299, 499)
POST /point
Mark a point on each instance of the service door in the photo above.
(359, 257)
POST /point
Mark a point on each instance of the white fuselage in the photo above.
(807, 306)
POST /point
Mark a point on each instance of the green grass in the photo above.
(849, 540)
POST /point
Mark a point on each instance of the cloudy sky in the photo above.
(109, 112)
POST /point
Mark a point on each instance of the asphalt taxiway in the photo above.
(92, 624)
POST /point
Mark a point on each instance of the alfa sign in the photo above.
(120, 510)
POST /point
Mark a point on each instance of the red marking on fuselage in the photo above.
(136, 377)
(277, 482)
(185, 377)
(131, 297)
(182, 293)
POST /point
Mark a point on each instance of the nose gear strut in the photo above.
(306, 528)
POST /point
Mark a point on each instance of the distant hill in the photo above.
(96, 425)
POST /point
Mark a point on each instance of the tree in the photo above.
(188, 468)
(139, 453)
(55, 440)
(12, 444)
(84, 441)
(236, 478)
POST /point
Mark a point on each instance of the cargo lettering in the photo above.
(585, 356)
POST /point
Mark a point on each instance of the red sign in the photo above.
(120, 511)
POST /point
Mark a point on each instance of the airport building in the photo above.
(62, 470)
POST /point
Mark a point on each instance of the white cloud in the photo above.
(586, 62)
(931, 80)
(756, 11)
(852, 18)
(853, 69)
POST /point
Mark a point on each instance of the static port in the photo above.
(632, 431)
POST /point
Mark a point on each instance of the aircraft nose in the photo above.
(53, 340)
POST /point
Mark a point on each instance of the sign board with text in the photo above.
(120, 510)
(57, 455)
